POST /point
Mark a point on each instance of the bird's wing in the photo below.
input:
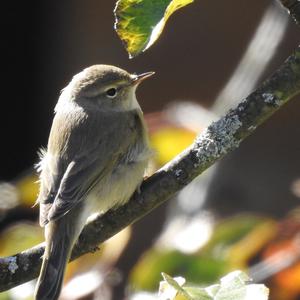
(91, 152)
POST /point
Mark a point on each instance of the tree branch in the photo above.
(217, 140)
(293, 7)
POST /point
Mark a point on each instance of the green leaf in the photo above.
(139, 23)
(235, 286)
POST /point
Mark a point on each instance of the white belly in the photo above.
(115, 189)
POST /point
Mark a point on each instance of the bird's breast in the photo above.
(118, 186)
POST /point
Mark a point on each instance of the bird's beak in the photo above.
(137, 79)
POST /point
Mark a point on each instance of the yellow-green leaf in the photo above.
(139, 23)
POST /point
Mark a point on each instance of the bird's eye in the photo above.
(111, 93)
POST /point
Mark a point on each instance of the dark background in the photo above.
(46, 42)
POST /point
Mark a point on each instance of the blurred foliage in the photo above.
(236, 243)
(28, 188)
(5, 296)
(210, 262)
(146, 273)
(170, 141)
(139, 23)
(19, 237)
(284, 249)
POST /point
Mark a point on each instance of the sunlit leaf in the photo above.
(139, 23)
(235, 286)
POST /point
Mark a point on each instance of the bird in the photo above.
(97, 153)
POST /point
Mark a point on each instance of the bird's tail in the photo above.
(59, 243)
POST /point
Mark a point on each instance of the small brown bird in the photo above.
(97, 153)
